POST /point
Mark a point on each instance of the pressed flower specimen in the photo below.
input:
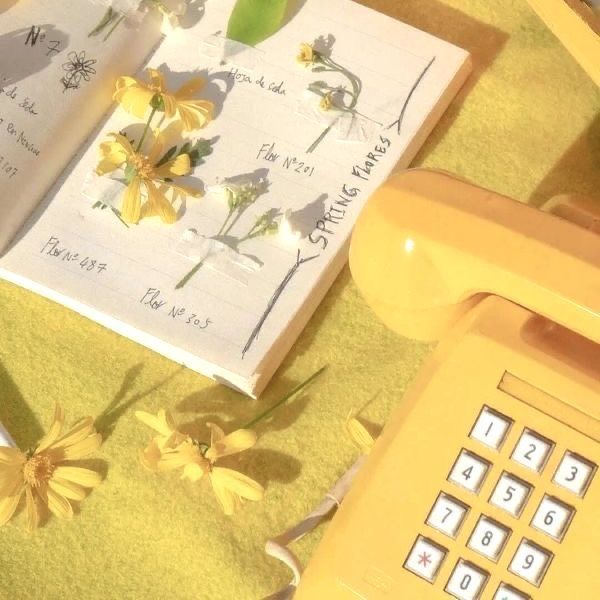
(150, 170)
(46, 475)
(332, 97)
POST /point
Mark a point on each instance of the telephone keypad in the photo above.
(489, 537)
(425, 558)
(469, 471)
(553, 517)
(467, 581)
(532, 450)
(511, 494)
(447, 515)
(574, 473)
(530, 562)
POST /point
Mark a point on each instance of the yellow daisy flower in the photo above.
(179, 451)
(45, 475)
(307, 55)
(358, 434)
(136, 96)
(146, 178)
(327, 102)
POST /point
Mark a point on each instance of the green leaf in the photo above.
(167, 156)
(253, 21)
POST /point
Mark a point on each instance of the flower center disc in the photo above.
(37, 470)
(143, 166)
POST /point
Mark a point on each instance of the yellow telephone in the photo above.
(484, 484)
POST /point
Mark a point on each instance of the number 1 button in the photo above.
(469, 471)
(491, 428)
(467, 581)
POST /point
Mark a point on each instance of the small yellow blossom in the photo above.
(307, 55)
(359, 435)
(136, 96)
(144, 175)
(45, 475)
(172, 450)
(327, 102)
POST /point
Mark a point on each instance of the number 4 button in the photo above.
(469, 471)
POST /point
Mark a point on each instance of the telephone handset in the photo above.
(484, 484)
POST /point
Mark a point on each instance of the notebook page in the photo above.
(55, 84)
(251, 297)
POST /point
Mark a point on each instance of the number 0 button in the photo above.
(447, 515)
(467, 581)
(553, 517)
(530, 562)
(574, 473)
(510, 494)
(532, 450)
(469, 471)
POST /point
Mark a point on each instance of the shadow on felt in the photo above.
(578, 170)
(484, 43)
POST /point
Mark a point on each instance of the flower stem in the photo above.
(146, 128)
(314, 145)
(291, 393)
(189, 275)
(117, 23)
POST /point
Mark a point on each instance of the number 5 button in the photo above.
(553, 517)
(510, 494)
(469, 471)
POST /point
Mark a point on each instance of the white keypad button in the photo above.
(425, 559)
(530, 562)
(469, 471)
(467, 581)
(510, 494)
(507, 592)
(447, 515)
(491, 428)
(489, 538)
(553, 517)
(532, 450)
(574, 473)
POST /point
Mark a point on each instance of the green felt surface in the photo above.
(526, 125)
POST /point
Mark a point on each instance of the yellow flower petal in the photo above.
(59, 505)
(78, 475)
(190, 88)
(10, 482)
(195, 114)
(177, 167)
(65, 488)
(193, 472)
(83, 448)
(8, 506)
(54, 431)
(133, 96)
(76, 434)
(33, 516)
(132, 202)
(225, 445)
(11, 456)
(158, 205)
(184, 190)
(162, 423)
(238, 483)
(227, 499)
(359, 435)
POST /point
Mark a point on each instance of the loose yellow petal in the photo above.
(159, 205)
(78, 475)
(132, 202)
(238, 483)
(359, 435)
(195, 114)
(80, 431)
(227, 499)
(177, 167)
(225, 445)
(8, 506)
(59, 505)
(162, 423)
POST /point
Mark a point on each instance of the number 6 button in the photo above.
(553, 517)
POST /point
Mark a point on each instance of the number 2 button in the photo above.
(532, 450)
(469, 471)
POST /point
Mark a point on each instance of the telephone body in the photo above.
(484, 485)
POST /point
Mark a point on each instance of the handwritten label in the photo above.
(154, 300)
(267, 152)
(276, 87)
(12, 93)
(85, 262)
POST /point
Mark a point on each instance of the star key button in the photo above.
(425, 558)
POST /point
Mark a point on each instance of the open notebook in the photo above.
(247, 297)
